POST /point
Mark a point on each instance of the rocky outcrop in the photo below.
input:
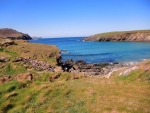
(6, 42)
(3, 59)
(35, 64)
(20, 77)
(99, 70)
(136, 36)
(5, 78)
(13, 34)
(24, 77)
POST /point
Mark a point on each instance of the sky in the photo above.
(70, 18)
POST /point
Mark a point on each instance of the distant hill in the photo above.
(137, 36)
(36, 38)
(13, 34)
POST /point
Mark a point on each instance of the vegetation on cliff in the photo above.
(25, 51)
(13, 34)
(31, 81)
(137, 36)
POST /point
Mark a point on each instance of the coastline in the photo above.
(100, 70)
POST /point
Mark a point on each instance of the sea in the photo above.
(99, 52)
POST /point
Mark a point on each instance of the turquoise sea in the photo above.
(99, 52)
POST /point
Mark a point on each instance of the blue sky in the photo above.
(65, 18)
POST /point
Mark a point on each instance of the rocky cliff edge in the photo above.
(131, 36)
(13, 34)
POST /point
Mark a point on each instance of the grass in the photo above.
(12, 69)
(1, 49)
(69, 93)
(46, 53)
(87, 95)
(109, 34)
(11, 53)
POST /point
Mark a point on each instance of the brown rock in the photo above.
(54, 77)
(24, 77)
(7, 42)
(3, 59)
(5, 78)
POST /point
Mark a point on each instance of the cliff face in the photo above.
(137, 36)
(13, 34)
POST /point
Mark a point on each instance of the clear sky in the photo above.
(61, 18)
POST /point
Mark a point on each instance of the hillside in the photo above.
(137, 36)
(13, 34)
(32, 81)
(65, 93)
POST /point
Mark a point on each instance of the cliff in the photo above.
(13, 34)
(137, 36)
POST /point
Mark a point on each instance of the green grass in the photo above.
(12, 69)
(86, 95)
(108, 34)
(11, 53)
(138, 75)
(1, 49)
(128, 94)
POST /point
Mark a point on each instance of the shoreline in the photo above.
(100, 70)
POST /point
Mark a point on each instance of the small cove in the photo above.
(99, 52)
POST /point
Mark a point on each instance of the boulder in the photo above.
(24, 77)
(3, 59)
(52, 78)
(7, 42)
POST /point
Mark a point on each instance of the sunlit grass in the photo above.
(85, 95)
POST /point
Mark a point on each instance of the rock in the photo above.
(5, 78)
(99, 70)
(38, 65)
(24, 77)
(52, 78)
(18, 59)
(128, 71)
(7, 42)
(2, 65)
(3, 59)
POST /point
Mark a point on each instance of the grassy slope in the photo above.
(109, 34)
(46, 53)
(86, 95)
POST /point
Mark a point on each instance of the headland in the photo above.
(34, 78)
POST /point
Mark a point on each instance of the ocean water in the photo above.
(99, 52)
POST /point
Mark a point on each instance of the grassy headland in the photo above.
(57, 91)
(136, 35)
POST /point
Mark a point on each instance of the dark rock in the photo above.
(18, 59)
(7, 42)
(3, 59)
(4, 79)
(52, 78)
